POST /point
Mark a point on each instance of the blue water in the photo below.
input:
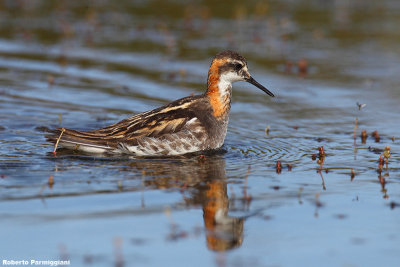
(85, 67)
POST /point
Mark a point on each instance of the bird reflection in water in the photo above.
(203, 182)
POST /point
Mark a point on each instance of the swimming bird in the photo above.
(187, 125)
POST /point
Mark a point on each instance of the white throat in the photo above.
(225, 86)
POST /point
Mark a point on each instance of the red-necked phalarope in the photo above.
(187, 125)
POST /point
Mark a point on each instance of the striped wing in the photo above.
(190, 138)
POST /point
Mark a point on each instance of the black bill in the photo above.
(254, 82)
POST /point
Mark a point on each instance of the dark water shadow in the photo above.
(204, 183)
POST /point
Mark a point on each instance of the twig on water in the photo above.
(352, 174)
(278, 167)
(355, 130)
(360, 106)
(51, 181)
(58, 140)
(380, 166)
(375, 134)
(386, 155)
(364, 136)
(320, 161)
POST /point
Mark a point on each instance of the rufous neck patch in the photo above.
(219, 105)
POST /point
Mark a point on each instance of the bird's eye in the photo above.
(238, 66)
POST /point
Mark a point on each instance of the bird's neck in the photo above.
(219, 93)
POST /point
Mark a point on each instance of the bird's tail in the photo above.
(79, 141)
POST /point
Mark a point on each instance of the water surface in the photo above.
(85, 65)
